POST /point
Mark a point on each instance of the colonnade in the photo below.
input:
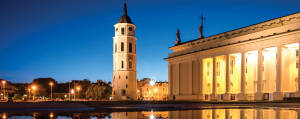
(267, 73)
(235, 114)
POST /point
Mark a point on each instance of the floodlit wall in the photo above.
(235, 73)
(268, 114)
(219, 114)
(250, 114)
(289, 62)
(234, 113)
(269, 70)
(184, 79)
(220, 74)
(206, 69)
(251, 72)
(288, 114)
(206, 114)
(207, 75)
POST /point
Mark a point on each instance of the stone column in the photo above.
(278, 94)
(170, 86)
(298, 92)
(277, 115)
(242, 114)
(258, 95)
(227, 95)
(201, 79)
(243, 78)
(227, 114)
(259, 114)
(214, 92)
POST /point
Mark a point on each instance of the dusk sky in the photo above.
(72, 39)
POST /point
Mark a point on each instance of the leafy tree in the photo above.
(43, 87)
(95, 91)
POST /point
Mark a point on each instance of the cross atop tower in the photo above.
(125, 8)
(201, 27)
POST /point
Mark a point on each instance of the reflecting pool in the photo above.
(207, 113)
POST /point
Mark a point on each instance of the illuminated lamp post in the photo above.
(72, 92)
(33, 89)
(78, 90)
(3, 83)
(51, 85)
(29, 90)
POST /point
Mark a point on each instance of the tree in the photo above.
(98, 92)
(43, 87)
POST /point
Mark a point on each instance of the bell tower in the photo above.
(124, 73)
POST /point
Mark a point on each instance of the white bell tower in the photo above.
(124, 75)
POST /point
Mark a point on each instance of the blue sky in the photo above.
(72, 39)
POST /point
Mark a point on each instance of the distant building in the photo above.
(6, 89)
(151, 90)
(124, 59)
(256, 62)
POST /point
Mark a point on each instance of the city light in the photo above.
(51, 115)
(33, 87)
(4, 116)
(155, 90)
(72, 91)
(152, 82)
(3, 82)
(51, 84)
(78, 88)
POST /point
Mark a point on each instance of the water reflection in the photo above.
(271, 113)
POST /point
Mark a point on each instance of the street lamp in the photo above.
(51, 84)
(33, 89)
(3, 83)
(72, 92)
(29, 90)
(78, 90)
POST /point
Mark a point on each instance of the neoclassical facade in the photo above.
(124, 56)
(257, 62)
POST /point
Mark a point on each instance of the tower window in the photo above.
(122, 64)
(123, 92)
(130, 47)
(122, 46)
(126, 77)
(116, 47)
(130, 64)
(126, 85)
(116, 29)
(122, 31)
(130, 28)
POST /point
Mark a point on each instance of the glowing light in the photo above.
(272, 49)
(151, 116)
(78, 88)
(34, 87)
(294, 45)
(51, 115)
(152, 82)
(51, 84)
(4, 116)
(3, 82)
(252, 52)
(155, 90)
(72, 91)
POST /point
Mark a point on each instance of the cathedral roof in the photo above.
(125, 18)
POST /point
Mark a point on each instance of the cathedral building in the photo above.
(124, 56)
(256, 62)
